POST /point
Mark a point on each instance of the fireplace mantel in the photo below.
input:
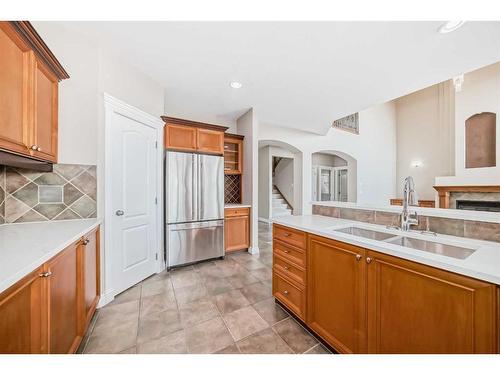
(444, 192)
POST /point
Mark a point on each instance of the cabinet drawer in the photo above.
(237, 211)
(292, 254)
(297, 274)
(292, 296)
(291, 236)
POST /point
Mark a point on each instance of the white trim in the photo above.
(264, 220)
(106, 298)
(114, 105)
(254, 250)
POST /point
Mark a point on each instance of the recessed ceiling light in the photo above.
(236, 85)
(450, 26)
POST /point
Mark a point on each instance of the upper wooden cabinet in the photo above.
(233, 154)
(29, 76)
(186, 135)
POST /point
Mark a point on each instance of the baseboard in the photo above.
(264, 220)
(253, 250)
(106, 298)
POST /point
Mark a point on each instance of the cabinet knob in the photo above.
(285, 267)
(287, 234)
(287, 251)
(86, 241)
(358, 257)
(34, 147)
(39, 149)
(368, 260)
(45, 274)
(285, 292)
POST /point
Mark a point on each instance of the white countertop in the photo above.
(237, 205)
(26, 246)
(483, 264)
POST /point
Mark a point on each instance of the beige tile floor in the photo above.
(223, 306)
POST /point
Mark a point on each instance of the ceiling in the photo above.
(301, 75)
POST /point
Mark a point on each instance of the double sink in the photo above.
(409, 242)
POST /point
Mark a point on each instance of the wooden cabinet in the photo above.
(90, 276)
(236, 228)
(192, 136)
(289, 269)
(233, 154)
(62, 287)
(363, 301)
(413, 308)
(21, 314)
(337, 293)
(29, 76)
(210, 141)
(49, 310)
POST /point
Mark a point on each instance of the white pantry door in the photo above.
(134, 174)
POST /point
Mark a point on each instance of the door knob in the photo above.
(119, 213)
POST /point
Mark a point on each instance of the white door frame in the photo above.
(111, 106)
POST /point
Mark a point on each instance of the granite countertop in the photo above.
(483, 264)
(26, 246)
(237, 205)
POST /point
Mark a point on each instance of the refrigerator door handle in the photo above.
(200, 186)
(194, 190)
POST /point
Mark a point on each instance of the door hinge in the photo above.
(156, 200)
(156, 144)
(156, 256)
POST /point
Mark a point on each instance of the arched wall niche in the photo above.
(480, 140)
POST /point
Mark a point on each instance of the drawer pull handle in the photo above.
(285, 292)
(287, 234)
(45, 274)
(358, 257)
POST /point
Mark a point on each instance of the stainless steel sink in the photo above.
(432, 247)
(366, 233)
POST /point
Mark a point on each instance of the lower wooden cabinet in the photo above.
(62, 283)
(413, 308)
(21, 314)
(236, 229)
(337, 293)
(363, 301)
(49, 310)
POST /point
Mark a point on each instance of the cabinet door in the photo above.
(233, 156)
(336, 293)
(236, 233)
(89, 251)
(44, 130)
(63, 301)
(414, 308)
(180, 137)
(21, 329)
(15, 87)
(210, 141)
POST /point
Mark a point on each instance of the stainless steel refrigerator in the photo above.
(194, 196)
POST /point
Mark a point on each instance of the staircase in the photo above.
(280, 206)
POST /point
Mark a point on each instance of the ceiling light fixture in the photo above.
(450, 26)
(236, 85)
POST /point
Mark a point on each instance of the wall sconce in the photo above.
(416, 163)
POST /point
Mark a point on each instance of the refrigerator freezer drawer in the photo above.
(193, 242)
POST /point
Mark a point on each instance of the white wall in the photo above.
(327, 160)
(264, 183)
(284, 178)
(425, 134)
(480, 93)
(374, 150)
(247, 125)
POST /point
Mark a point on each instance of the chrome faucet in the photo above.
(409, 199)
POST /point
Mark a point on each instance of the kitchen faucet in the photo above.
(409, 199)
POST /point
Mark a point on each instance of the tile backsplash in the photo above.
(455, 227)
(69, 192)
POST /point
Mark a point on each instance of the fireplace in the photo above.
(492, 206)
(450, 195)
